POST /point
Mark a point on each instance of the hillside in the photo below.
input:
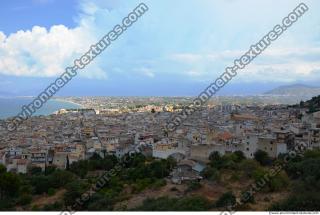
(313, 104)
(298, 90)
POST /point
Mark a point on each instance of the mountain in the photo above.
(298, 90)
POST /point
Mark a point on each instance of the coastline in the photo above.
(10, 107)
(68, 101)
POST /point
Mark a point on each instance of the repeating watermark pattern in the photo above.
(86, 196)
(241, 63)
(70, 72)
(100, 183)
(262, 182)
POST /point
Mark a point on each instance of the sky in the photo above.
(177, 48)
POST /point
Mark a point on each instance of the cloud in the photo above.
(194, 42)
(274, 64)
(41, 52)
(287, 72)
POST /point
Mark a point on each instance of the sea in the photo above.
(10, 107)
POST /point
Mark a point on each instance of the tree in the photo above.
(227, 199)
(249, 166)
(80, 168)
(56, 206)
(240, 156)
(95, 156)
(60, 178)
(216, 160)
(307, 201)
(193, 185)
(247, 197)
(278, 182)
(104, 151)
(9, 185)
(193, 203)
(227, 161)
(25, 199)
(301, 104)
(35, 170)
(262, 157)
(214, 156)
(305, 172)
(40, 184)
(210, 173)
(100, 202)
(68, 163)
(3, 169)
(74, 190)
(157, 169)
(49, 170)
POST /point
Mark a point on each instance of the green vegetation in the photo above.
(313, 105)
(193, 203)
(81, 168)
(193, 185)
(211, 173)
(136, 172)
(262, 157)
(305, 172)
(227, 161)
(218, 163)
(300, 177)
(276, 183)
(228, 199)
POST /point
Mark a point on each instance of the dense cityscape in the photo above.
(71, 136)
(117, 106)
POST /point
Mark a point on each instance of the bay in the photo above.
(10, 107)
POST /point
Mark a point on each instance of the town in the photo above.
(77, 134)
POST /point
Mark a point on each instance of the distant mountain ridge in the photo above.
(299, 90)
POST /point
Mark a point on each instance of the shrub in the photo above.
(193, 185)
(240, 156)
(249, 166)
(279, 182)
(235, 176)
(25, 199)
(57, 206)
(174, 189)
(262, 157)
(51, 191)
(194, 203)
(302, 202)
(100, 202)
(35, 171)
(159, 183)
(226, 200)
(210, 173)
(246, 197)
